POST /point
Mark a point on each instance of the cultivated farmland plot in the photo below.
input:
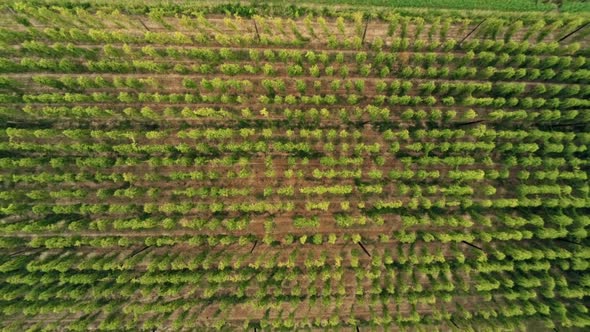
(186, 167)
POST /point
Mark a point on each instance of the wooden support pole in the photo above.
(568, 124)
(468, 123)
(568, 241)
(571, 33)
(137, 252)
(472, 245)
(254, 246)
(145, 26)
(256, 28)
(18, 252)
(365, 32)
(469, 34)
(364, 249)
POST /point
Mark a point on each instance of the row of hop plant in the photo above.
(486, 53)
(493, 27)
(273, 86)
(30, 44)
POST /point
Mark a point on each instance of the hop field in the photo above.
(195, 167)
